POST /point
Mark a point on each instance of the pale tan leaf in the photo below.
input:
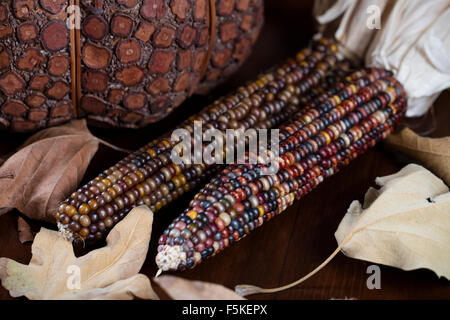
(433, 153)
(48, 167)
(106, 273)
(404, 224)
(135, 286)
(24, 230)
(182, 289)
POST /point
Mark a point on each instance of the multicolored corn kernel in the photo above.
(148, 176)
(315, 145)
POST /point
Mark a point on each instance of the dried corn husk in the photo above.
(413, 41)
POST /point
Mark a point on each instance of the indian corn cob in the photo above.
(148, 175)
(312, 147)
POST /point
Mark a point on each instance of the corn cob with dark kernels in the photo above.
(312, 147)
(148, 176)
(190, 175)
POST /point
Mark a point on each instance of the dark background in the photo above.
(294, 243)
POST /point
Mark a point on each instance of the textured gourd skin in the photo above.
(140, 59)
(35, 88)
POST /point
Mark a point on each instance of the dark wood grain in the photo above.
(294, 243)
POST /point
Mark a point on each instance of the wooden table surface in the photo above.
(294, 243)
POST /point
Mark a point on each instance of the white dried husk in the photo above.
(413, 41)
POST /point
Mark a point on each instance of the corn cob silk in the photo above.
(149, 176)
(317, 142)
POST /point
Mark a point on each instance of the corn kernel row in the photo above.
(313, 147)
(148, 176)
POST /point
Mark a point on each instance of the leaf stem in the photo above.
(113, 146)
(245, 290)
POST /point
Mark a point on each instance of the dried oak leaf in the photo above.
(110, 272)
(404, 224)
(46, 169)
(182, 289)
(433, 153)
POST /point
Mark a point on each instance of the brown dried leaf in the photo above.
(182, 289)
(46, 169)
(434, 153)
(110, 272)
(24, 229)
